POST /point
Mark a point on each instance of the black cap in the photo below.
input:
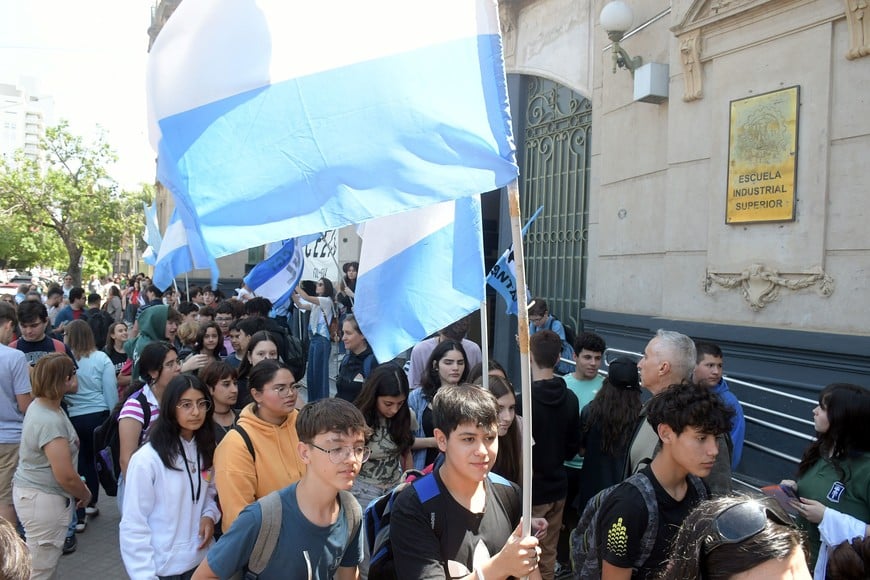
(622, 372)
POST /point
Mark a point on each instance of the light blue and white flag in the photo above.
(152, 235)
(275, 119)
(419, 271)
(276, 276)
(503, 276)
(177, 257)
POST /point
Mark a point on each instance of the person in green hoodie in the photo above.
(159, 322)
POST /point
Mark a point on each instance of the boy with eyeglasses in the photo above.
(687, 419)
(320, 521)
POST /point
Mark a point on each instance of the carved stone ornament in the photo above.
(690, 57)
(858, 18)
(761, 286)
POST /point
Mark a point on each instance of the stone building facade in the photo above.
(787, 300)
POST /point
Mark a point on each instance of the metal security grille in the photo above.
(555, 174)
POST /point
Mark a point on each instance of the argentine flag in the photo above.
(418, 272)
(274, 119)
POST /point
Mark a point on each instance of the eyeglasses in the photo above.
(340, 454)
(172, 363)
(285, 390)
(187, 406)
(742, 521)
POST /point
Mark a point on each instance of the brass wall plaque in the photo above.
(762, 158)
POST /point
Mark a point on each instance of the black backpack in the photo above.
(107, 443)
(585, 554)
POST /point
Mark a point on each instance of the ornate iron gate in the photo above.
(555, 174)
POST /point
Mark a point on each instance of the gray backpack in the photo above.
(585, 555)
(270, 529)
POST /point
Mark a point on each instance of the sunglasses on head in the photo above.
(742, 521)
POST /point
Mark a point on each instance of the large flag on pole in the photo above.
(503, 276)
(276, 276)
(274, 119)
(152, 235)
(419, 272)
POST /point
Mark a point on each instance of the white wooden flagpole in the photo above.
(523, 339)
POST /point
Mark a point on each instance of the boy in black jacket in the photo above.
(556, 436)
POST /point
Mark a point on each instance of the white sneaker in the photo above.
(82, 525)
(92, 511)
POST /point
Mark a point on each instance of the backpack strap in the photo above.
(700, 487)
(352, 515)
(146, 409)
(247, 439)
(643, 484)
(508, 500)
(427, 489)
(267, 537)
(368, 363)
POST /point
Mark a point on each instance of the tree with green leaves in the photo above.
(69, 194)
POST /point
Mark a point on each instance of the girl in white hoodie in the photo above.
(169, 504)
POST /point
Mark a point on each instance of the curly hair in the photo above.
(689, 405)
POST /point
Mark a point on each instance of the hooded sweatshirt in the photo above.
(556, 433)
(162, 512)
(152, 326)
(241, 479)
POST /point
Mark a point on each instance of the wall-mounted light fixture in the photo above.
(616, 18)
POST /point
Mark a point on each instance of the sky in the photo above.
(90, 58)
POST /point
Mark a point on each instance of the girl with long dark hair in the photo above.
(115, 339)
(509, 461)
(169, 508)
(383, 402)
(607, 425)
(447, 365)
(210, 341)
(835, 469)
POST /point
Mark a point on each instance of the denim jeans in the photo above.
(317, 377)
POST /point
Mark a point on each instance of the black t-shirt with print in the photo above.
(466, 539)
(623, 519)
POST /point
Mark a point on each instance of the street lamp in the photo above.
(616, 18)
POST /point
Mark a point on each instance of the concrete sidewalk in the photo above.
(98, 556)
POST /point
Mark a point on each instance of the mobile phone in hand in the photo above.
(789, 491)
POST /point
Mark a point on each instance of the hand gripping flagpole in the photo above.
(523, 339)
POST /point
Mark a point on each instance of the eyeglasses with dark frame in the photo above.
(340, 454)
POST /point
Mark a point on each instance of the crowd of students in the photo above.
(215, 439)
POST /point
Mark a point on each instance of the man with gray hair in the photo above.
(668, 359)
